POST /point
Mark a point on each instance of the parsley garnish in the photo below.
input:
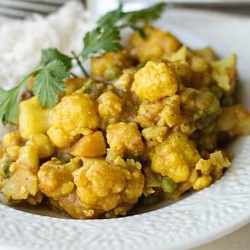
(54, 66)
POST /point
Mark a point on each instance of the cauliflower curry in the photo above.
(150, 123)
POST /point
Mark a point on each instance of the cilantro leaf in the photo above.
(100, 39)
(111, 18)
(106, 36)
(49, 55)
(49, 83)
(8, 104)
(145, 15)
(125, 19)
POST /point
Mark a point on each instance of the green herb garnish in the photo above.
(55, 66)
(49, 83)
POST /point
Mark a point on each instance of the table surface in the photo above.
(238, 240)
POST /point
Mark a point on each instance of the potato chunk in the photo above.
(33, 118)
(154, 81)
(20, 185)
(27, 159)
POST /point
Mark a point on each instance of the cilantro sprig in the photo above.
(48, 83)
(106, 37)
(55, 67)
(101, 39)
(124, 19)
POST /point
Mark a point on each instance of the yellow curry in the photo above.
(150, 123)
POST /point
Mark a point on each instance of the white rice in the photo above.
(21, 42)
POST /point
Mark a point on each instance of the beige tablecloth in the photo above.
(238, 240)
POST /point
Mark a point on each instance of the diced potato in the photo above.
(89, 145)
(20, 185)
(28, 159)
(33, 118)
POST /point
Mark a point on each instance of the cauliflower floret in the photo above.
(110, 106)
(11, 139)
(154, 135)
(154, 81)
(77, 209)
(76, 114)
(124, 138)
(175, 157)
(110, 64)
(202, 182)
(224, 73)
(149, 114)
(171, 114)
(124, 82)
(102, 188)
(198, 104)
(234, 120)
(214, 165)
(60, 138)
(55, 178)
(42, 144)
(157, 44)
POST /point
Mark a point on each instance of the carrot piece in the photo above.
(89, 145)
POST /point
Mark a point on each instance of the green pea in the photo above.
(112, 73)
(168, 185)
(217, 91)
(213, 106)
(4, 168)
(88, 85)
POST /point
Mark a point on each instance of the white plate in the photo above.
(194, 220)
